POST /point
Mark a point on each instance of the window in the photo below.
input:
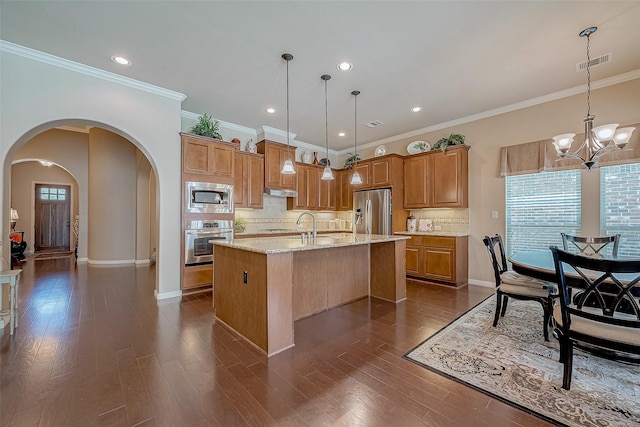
(539, 207)
(620, 206)
(53, 193)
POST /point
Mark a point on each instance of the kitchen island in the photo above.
(263, 285)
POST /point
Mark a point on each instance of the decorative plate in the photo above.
(324, 162)
(418, 147)
(381, 151)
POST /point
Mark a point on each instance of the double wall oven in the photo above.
(197, 234)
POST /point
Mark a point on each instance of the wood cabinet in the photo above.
(313, 192)
(274, 156)
(380, 172)
(436, 179)
(344, 190)
(364, 169)
(442, 259)
(249, 180)
(197, 276)
(327, 193)
(210, 158)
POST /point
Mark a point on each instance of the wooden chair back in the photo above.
(498, 260)
(591, 245)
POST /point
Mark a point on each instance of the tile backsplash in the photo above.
(449, 220)
(274, 215)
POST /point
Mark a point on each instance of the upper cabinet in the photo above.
(274, 156)
(313, 192)
(249, 180)
(436, 179)
(344, 190)
(206, 156)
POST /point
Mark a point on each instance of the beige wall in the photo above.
(619, 103)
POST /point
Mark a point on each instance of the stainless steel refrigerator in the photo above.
(372, 211)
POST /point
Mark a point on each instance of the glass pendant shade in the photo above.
(287, 168)
(327, 174)
(605, 132)
(622, 136)
(356, 179)
(563, 142)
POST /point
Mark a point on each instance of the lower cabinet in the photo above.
(197, 276)
(441, 259)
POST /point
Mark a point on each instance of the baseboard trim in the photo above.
(111, 262)
(167, 295)
(142, 262)
(482, 283)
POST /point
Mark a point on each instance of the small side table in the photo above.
(11, 278)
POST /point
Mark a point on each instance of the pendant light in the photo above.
(287, 167)
(327, 174)
(355, 178)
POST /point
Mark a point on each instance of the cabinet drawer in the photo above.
(415, 241)
(439, 241)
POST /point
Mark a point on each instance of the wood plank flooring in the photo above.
(95, 348)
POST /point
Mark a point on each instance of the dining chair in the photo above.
(590, 245)
(599, 308)
(517, 286)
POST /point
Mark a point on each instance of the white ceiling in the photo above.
(454, 59)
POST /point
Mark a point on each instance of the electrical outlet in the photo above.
(245, 277)
(437, 227)
(494, 214)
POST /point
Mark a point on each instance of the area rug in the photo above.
(52, 255)
(514, 364)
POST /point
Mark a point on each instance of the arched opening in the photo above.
(113, 189)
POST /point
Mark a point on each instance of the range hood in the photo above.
(280, 192)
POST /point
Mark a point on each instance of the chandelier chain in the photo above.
(288, 153)
(588, 76)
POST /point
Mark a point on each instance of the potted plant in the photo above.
(206, 126)
(453, 139)
(351, 160)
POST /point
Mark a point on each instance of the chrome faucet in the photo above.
(314, 222)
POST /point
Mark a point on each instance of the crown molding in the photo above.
(227, 125)
(610, 81)
(56, 61)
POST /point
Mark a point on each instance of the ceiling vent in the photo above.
(374, 124)
(581, 66)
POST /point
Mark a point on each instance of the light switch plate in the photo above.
(494, 214)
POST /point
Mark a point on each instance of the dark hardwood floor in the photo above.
(94, 347)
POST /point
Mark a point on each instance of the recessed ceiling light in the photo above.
(120, 60)
(345, 66)
(271, 110)
(416, 109)
(341, 134)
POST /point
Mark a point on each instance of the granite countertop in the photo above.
(273, 245)
(272, 231)
(432, 233)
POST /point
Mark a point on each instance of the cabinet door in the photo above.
(414, 257)
(221, 161)
(364, 169)
(273, 166)
(416, 194)
(239, 188)
(450, 179)
(255, 181)
(299, 202)
(287, 182)
(344, 190)
(195, 156)
(380, 173)
(327, 200)
(312, 182)
(439, 263)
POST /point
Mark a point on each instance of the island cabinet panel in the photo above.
(211, 159)
(249, 180)
(309, 286)
(436, 179)
(388, 276)
(275, 155)
(347, 274)
(260, 309)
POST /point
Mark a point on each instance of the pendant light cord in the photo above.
(355, 124)
(288, 153)
(326, 119)
(588, 76)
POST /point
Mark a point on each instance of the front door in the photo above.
(53, 203)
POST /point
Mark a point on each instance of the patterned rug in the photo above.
(514, 364)
(51, 255)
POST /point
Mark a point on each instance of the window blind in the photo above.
(620, 206)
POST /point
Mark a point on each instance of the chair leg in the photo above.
(568, 365)
(545, 322)
(504, 305)
(498, 305)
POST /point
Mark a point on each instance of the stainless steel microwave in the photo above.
(207, 197)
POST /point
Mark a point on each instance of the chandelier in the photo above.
(597, 141)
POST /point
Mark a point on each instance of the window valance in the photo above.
(538, 156)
